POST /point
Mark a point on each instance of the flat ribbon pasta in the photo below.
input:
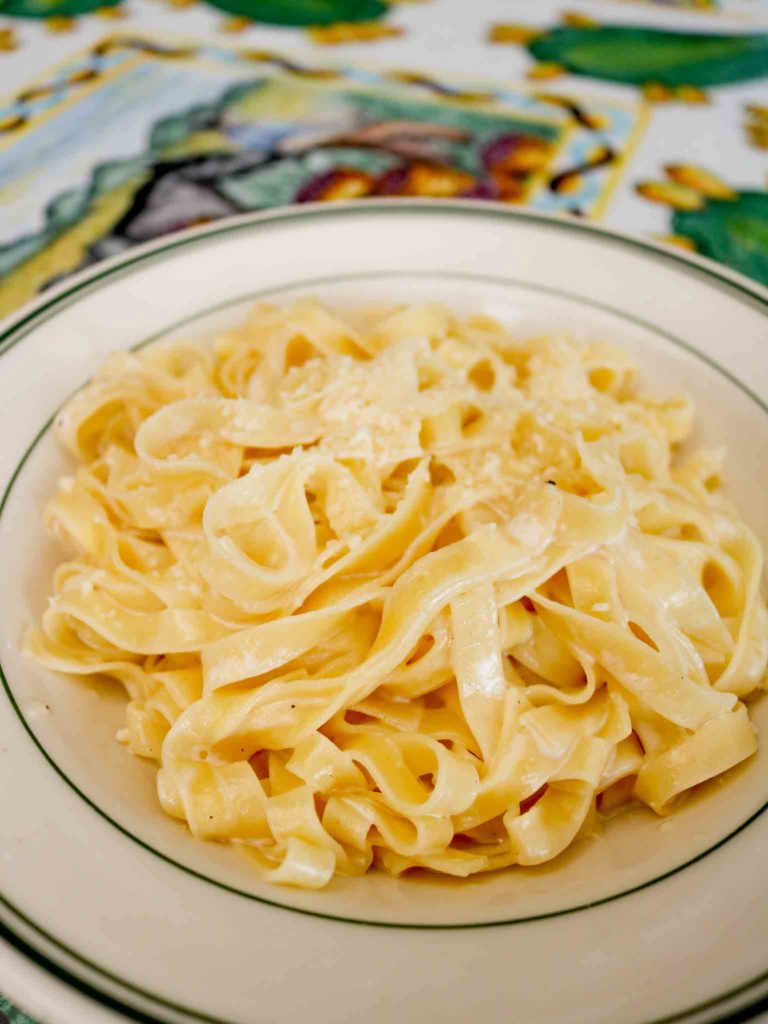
(400, 589)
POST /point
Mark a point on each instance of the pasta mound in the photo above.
(401, 589)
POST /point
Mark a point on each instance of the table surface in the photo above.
(127, 119)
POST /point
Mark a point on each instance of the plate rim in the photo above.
(12, 331)
(5, 681)
(692, 261)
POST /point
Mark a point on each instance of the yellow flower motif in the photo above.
(546, 70)
(578, 20)
(691, 94)
(671, 194)
(11, 123)
(704, 182)
(80, 75)
(508, 33)
(60, 23)
(570, 183)
(234, 24)
(8, 40)
(434, 85)
(756, 125)
(353, 32)
(680, 241)
(657, 92)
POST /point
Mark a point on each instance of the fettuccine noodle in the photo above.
(402, 589)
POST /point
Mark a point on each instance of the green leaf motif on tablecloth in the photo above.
(734, 231)
(637, 55)
(269, 12)
(52, 8)
(712, 217)
(10, 1015)
(303, 12)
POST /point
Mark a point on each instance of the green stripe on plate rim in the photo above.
(745, 288)
(21, 327)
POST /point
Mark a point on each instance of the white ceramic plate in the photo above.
(112, 907)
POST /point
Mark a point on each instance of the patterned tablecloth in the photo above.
(10, 1015)
(127, 119)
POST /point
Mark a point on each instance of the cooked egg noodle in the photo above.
(399, 588)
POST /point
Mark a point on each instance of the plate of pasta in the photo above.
(384, 630)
